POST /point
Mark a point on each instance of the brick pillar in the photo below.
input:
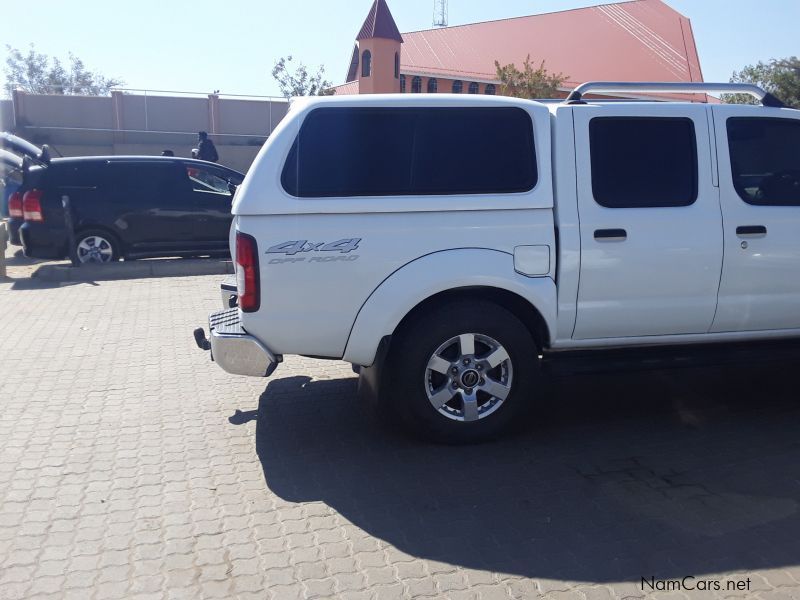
(213, 113)
(119, 117)
(18, 112)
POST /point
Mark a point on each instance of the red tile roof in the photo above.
(379, 24)
(640, 40)
(346, 89)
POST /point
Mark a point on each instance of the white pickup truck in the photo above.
(447, 245)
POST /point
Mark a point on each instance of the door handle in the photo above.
(748, 230)
(610, 235)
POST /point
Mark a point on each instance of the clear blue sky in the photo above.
(231, 45)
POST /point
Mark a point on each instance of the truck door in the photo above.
(759, 177)
(650, 223)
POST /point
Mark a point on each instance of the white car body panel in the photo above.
(309, 307)
(565, 211)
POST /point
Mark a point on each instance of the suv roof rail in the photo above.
(13, 143)
(606, 87)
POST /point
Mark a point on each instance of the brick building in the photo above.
(638, 40)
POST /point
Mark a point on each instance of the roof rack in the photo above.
(606, 87)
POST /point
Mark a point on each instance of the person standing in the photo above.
(205, 148)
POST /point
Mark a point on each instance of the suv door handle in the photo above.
(610, 235)
(746, 230)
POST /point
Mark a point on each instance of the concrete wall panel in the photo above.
(89, 112)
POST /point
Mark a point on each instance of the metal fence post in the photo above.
(73, 253)
(3, 246)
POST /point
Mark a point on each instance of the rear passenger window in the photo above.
(81, 175)
(343, 152)
(765, 160)
(145, 180)
(642, 162)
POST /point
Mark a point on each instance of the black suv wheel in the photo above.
(95, 246)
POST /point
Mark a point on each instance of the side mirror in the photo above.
(231, 188)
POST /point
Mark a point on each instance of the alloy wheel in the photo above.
(468, 377)
(95, 248)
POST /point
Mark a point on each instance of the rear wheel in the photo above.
(95, 246)
(462, 373)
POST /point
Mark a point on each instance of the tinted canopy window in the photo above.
(643, 162)
(412, 151)
(765, 160)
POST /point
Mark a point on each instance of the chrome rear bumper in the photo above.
(233, 349)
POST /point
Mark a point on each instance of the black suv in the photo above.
(126, 207)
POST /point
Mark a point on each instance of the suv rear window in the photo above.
(343, 152)
(640, 162)
(765, 160)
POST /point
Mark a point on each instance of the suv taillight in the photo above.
(247, 280)
(15, 205)
(32, 206)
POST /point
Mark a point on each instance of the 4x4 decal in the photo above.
(295, 247)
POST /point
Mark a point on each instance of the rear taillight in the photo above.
(32, 206)
(247, 280)
(15, 205)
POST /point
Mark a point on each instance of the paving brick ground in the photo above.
(130, 467)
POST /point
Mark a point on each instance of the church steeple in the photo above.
(378, 58)
(379, 24)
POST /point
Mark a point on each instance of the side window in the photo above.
(145, 182)
(346, 152)
(81, 175)
(643, 162)
(207, 180)
(765, 160)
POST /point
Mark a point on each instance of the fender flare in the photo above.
(431, 274)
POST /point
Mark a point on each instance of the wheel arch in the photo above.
(514, 303)
(445, 276)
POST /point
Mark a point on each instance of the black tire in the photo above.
(110, 246)
(407, 383)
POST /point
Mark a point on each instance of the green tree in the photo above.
(529, 82)
(780, 77)
(38, 73)
(297, 81)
